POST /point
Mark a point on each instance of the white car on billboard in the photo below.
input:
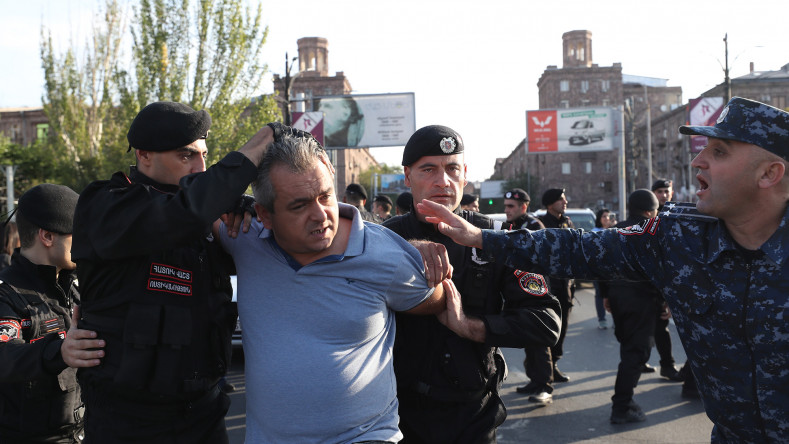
(584, 132)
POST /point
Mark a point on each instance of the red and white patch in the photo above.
(532, 283)
(9, 330)
(646, 227)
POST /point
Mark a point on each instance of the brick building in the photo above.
(313, 80)
(591, 178)
(23, 126)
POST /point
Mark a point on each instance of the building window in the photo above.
(41, 131)
(564, 104)
(607, 166)
(584, 86)
(609, 187)
(584, 102)
(605, 102)
(588, 167)
(564, 85)
(605, 85)
(566, 168)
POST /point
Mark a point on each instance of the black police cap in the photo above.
(642, 200)
(551, 195)
(468, 199)
(50, 207)
(165, 126)
(433, 140)
(355, 188)
(383, 198)
(517, 194)
(661, 183)
(404, 200)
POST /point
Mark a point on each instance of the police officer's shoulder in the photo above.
(684, 211)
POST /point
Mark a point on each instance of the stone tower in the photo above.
(577, 49)
(314, 55)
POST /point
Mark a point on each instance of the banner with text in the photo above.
(571, 130)
(370, 120)
(703, 111)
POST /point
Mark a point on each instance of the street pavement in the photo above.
(581, 407)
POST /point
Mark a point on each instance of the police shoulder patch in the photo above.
(532, 283)
(9, 329)
(685, 211)
(648, 226)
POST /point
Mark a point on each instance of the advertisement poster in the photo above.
(571, 130)
(703, 111)
(373, 120)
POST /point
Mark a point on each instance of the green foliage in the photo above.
(206, 55)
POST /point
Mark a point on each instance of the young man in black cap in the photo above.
(449, 369)
(382, 207)
(403, 203)
(39, 395)
(356, 195)
(469, 202)
(516, 207)
(664, 190)
(722, 265)
(555, 203)
(155, 284)
(632, 305)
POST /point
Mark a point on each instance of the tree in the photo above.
(206, 55)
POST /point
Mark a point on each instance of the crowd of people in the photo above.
(367, 327)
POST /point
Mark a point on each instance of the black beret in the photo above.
(661, 183)
(50, 207)
(383, 198)
(404, 200)
(518, 194)
(355, 188)
(551, 195)
(642, 200)
(165, 126)
(433, 140)
(751, 122)
(467, 199)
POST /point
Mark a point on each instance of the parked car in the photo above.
(585, 133)
(581, 217)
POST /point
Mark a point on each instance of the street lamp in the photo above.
(288, 83)
(726, 78)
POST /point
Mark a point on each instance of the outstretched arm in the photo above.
(450, 224)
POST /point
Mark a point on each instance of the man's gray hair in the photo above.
(298, 154)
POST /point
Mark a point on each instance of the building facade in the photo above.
(296, 92)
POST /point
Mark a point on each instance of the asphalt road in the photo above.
(581, 408)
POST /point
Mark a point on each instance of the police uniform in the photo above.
(447, 385)
(39, 394)
(729, 304)
(156, 288)
(525, 220)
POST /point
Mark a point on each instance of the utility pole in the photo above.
(649, 138)
(288, 81)
(726, 78)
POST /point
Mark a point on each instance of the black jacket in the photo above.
(39, 394)
(516, 307)
(154, 283)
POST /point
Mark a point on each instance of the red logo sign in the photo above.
(542, 135)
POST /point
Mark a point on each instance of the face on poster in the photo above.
(374, 120)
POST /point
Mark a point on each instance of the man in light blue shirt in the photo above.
(317, 292)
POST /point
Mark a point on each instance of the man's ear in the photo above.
(263, 215)
(143, 157)
(772, 174)
(407, 173)
(46, 237)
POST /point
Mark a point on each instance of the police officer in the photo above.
(722, 265)
(448, 378)
(156, 285)
(356, 195)
(516, 207)
(382, 207)
(39, 395)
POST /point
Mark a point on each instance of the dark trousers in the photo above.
(634, 327)
(109, 420)
(663, 340)
(539, 368)
(426, 421)
(558, 350)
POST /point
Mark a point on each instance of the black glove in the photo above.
(245, 204)
(280, 130)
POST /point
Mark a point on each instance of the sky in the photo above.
(472, 65)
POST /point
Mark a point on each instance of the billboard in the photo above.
(392, 183)
(571, 130)
(370, 120)
(311, 122)
(703, 112)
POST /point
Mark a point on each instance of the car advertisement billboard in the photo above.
(703, 111)
(367, 120)
(571, 130)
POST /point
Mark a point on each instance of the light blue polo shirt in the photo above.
(318, 339)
